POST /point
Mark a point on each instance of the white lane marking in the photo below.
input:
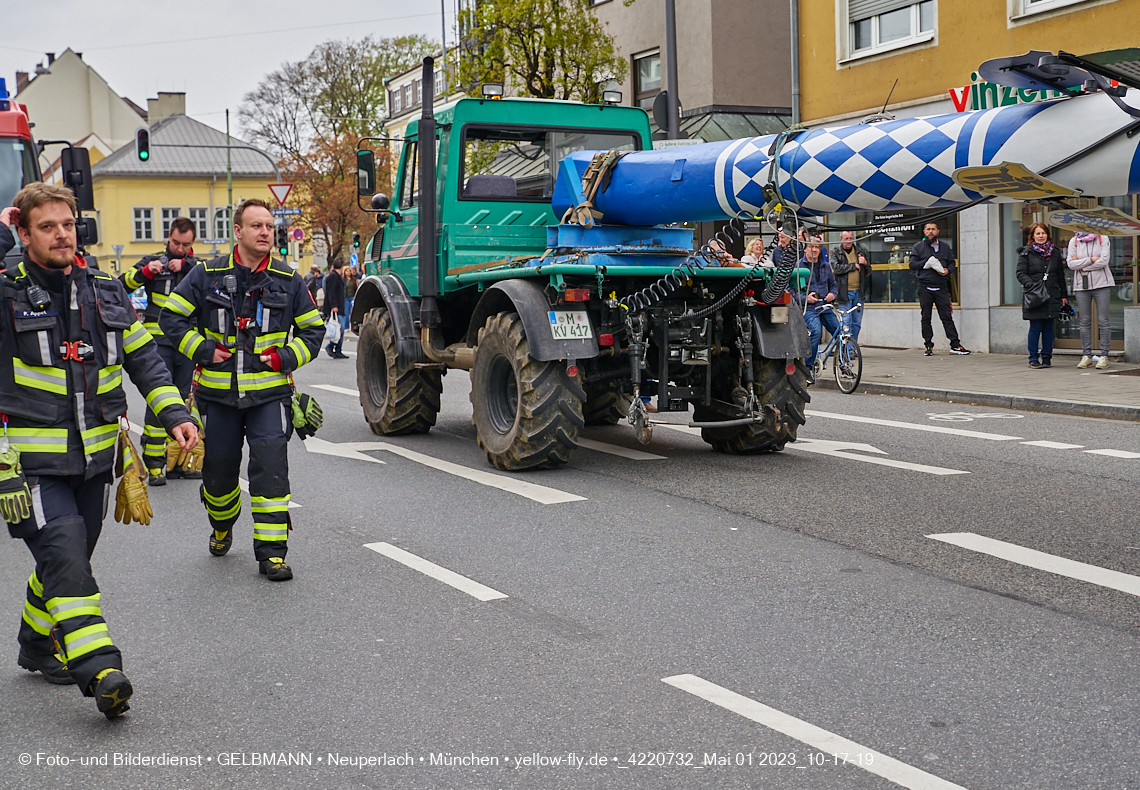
(334, 388)
(513, 485)
(461, 583)
(1114, 453)
(1031, 558)
(624, 452)
(837, 450)
(828, 742)
(914, 426)
(315, 445)
(1054, 445)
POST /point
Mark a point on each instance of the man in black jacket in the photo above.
(852, 268)
(334, 306)
(932, 261)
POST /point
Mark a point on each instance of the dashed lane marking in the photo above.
(1051, 563)
(541, 494)
(334, 388)
(1114, 453)
(827, 742)
(437, 572)
(614, 449)
(1054, 445)
(914, 426)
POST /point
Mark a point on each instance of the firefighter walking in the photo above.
(67, 334)
(233, 317)
(159, 275)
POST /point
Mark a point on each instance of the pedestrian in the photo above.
(755, 253)
(233, 316)
(67, 333)
(851, 264)
(314, 282)
(1089, 257)
(351, 283)
(1037, 261)
(822, 290)
(333, 307)
(932, 261)
(159, 275)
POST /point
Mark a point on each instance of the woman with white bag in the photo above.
(1089, 257)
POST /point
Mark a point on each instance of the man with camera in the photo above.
(159, 275)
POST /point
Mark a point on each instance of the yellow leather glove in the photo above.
(173, 453)
(132, 502)
(194, 460)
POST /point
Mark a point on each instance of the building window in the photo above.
(408, 96)
(198, 216)
(438, 83)
(882, 25)
(419, 91)
(397, 105)
(222, 223)
(144, 224)
(169, 214)
(646, 78)
(1028, 7)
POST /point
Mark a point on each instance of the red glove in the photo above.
(272, 358)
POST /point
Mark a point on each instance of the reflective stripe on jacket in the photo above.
(158, 289)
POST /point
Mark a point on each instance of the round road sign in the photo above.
(298, 234)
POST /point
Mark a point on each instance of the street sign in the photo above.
(353, 259)
(280, 191)
(298, 234)
(286, 212)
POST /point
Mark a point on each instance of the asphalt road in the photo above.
(672, 616)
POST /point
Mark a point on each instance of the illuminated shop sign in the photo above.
(982, 95)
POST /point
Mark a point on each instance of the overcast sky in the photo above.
(215, 51)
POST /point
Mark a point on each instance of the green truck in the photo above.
(562, 321)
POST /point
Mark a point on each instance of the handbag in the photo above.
(1036, 295)
(332, 329)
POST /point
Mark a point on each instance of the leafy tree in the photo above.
(549, 49)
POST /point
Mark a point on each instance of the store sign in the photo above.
(982, 95)
(1104, 220)
(1009, 179)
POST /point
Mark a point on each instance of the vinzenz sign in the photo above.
(981, 95)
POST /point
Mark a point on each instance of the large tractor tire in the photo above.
(787, 393)
(606, 404)
(527, 413)
(397, 397)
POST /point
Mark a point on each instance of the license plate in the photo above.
(570, 325)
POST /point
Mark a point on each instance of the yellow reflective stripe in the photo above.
(64, 608)
(152, 327)
(110, 378)
(264, 532)
(39, 440)
(311, 318)
(218, 337)
(85, 640)
(161, 398)
(41, 378)
(264, 504)
(134, 279)
(298, 347)
(177, 303)
(35, 584)
(135, 338)
(39, 620)
(159, 299)
(100, 438)
(263, 380)
(220, 500)
(188, 346)
(263, 342)
(216, 379)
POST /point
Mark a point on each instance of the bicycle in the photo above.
(848, 362)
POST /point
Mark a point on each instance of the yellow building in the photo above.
(924, 55)
(136, 201)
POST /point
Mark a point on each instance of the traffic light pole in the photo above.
(230, 183)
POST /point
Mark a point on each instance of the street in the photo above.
(832, 616)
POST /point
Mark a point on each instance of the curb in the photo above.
(1072, 408)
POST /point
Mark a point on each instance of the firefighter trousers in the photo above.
(62, 532)
(154, 435)
(266, 429)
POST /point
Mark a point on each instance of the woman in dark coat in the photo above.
(1033, 261)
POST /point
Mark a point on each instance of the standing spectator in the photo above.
(350, 285)
(1041, 259)
(1089, 257)
(334, 306)
(932, 261)
(313, 281)
(822, 289)
(851, 265)
(755, 252)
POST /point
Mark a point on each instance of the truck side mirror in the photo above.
(86, 231)
(76, 166)
(365, 173)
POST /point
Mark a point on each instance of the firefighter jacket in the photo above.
(65, 341)
(247, 312)
(158, 289)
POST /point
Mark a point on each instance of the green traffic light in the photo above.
(144, 155)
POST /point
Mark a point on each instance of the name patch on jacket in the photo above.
(26, 314)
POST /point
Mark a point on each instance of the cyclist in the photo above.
(822, 289)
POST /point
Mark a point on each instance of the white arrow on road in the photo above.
(315, 445)
(841, 450)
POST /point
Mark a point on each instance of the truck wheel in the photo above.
(606, 404)
(397, 397)
(787, 393)
(527, 413)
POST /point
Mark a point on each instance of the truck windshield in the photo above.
(17, 168)
(517, 164)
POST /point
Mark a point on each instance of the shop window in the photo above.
(647, 78)
(881, 25)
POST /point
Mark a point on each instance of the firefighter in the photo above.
(233, 316)
(159, 275)
(67, 333)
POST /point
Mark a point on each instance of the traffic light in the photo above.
(282, 235)
(355, 241)
(142, 144)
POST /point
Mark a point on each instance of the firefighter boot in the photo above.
(111, 690)
(53, 670)
(275, 569)
(220, 541)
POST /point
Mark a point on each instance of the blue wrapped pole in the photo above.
(902, 164)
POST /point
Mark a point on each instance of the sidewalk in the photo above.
(1002, 381)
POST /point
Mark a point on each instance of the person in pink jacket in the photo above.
(1089, 257)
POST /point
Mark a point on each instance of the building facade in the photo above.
(919, 58)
